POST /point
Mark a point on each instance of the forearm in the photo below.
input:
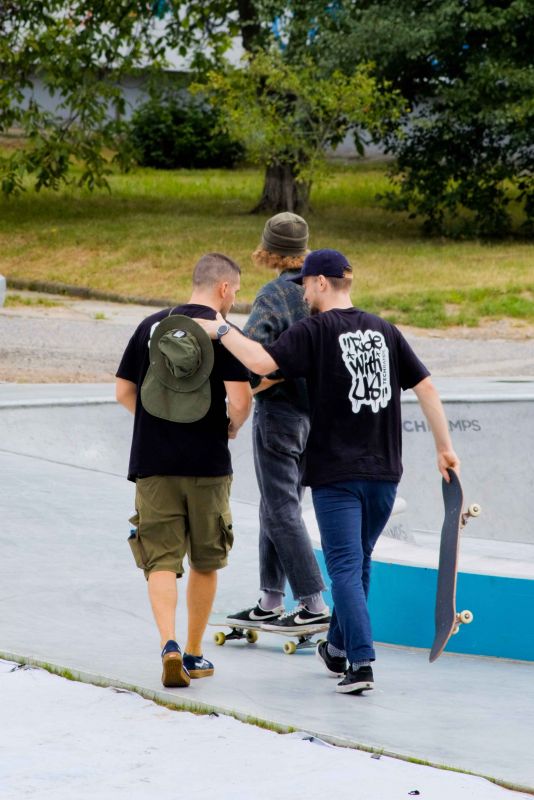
(435, 415)
(433, 410)
(126, 394)
(252, 354)
(266, 383)
(239, 404)
(237, 416)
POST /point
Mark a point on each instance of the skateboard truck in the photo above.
(236, 633)
(474, 510)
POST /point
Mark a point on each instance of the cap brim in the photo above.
(173, 406)
(297, 279)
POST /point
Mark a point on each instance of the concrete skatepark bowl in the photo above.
(71, 597)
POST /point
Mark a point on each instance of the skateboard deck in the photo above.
(447, 619)
(249, 631)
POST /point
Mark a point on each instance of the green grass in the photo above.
(144, 238)
(15, 300)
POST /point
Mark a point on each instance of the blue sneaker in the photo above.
(198, 666)
(174, 671)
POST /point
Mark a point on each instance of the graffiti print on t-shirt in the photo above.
(366, 357)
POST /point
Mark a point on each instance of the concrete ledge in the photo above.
(53, 402)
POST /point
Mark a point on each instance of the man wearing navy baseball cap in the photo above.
(356, 365)
(330, 263)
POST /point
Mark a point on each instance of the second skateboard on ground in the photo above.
(250, 631)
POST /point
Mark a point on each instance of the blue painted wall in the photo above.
(402, 600)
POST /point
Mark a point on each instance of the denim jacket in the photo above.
(278, 305)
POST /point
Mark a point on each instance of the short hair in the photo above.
(341, 284)
(213, 268)
(266, 258)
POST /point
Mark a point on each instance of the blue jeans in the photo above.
(279, 436)
(351, 516)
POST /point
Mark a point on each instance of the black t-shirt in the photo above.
(161, 447)
(355, 365)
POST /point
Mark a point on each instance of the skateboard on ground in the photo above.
(448, 620)
(250, 630)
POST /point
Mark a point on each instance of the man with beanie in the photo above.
(280, 430)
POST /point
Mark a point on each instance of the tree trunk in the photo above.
(282, 191)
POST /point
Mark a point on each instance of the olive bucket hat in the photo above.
(177, 386)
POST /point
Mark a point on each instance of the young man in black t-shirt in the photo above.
(176, 383)
(355, 365)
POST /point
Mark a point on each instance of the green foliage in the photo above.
(80, 54)
(173, 132)
(289, 114)
(81, 51)
(465, 150)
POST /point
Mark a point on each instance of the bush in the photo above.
(173, 132)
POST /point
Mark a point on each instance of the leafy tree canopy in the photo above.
(81, 50)
(465, 153)
(286, 115)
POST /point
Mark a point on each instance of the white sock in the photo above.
(270, 600)
(314, 603)
(357, 664)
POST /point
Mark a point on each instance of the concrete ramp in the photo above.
(70, 596)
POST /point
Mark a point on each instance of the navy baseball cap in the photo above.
(330, 263)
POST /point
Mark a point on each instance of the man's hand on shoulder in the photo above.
(211, 326)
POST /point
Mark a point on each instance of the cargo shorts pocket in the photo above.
(225, 525)
(135, 543)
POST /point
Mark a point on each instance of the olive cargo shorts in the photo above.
(176, 515)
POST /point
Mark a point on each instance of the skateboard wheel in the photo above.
(474, 510)
(219, 638)
(466, 617)
(251, 636)
(455, 630)
(290, 648)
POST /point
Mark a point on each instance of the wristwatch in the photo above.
(222, 330)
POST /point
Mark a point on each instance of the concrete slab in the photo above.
(70, 595)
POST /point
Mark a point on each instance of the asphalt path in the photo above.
(81, 341)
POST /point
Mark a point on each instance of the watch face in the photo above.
(222, 329)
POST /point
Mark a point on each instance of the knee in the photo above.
(344, 570)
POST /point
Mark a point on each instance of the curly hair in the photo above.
(265, 258)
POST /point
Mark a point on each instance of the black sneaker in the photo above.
(356, 681)
(256, 615)
(335, 665)
(293, 621)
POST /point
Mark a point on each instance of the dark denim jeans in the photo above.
(279, 436)
(351, 516)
